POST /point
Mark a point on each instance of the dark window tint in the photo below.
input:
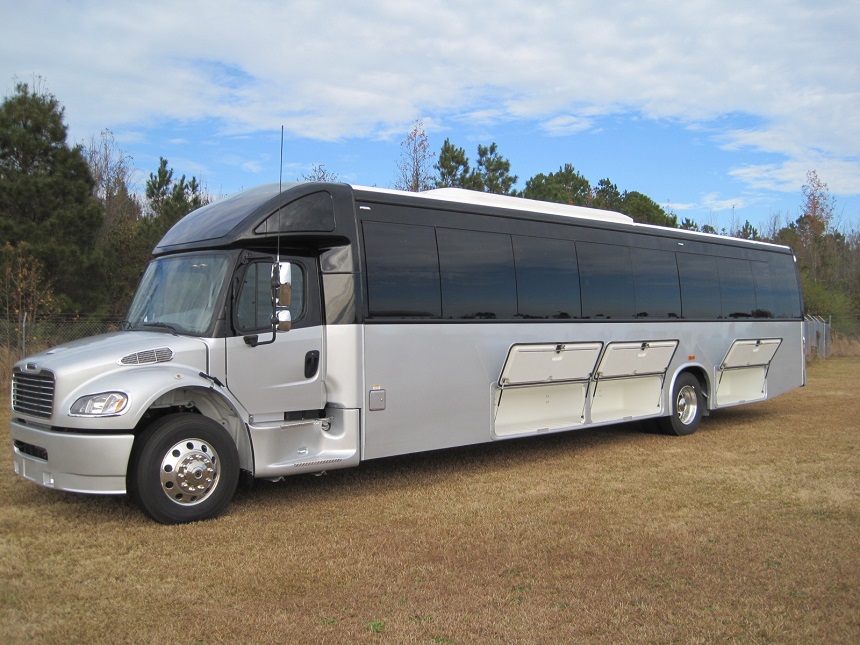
(763, 285)
(254, 305)
(314, 212)
(658, 293)
(736, 287)
(218, 218)
(477, 271)
(776, 287)
(402, 270)
(606, 280)
(547, 278)
(700, 286)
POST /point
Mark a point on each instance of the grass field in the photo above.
(746, 532)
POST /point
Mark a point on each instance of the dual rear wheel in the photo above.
(687, 407)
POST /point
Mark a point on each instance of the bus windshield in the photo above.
(179, 293)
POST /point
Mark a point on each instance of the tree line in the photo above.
(74, 235)
(828, 258)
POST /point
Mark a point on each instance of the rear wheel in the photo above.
(687, 404)
(184, 468)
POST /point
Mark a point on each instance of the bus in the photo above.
(312, 326)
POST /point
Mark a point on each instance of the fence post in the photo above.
(817, 332)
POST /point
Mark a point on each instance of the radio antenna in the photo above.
(281, 174)
(280, 190)
(252, 339)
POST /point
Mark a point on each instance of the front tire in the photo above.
(687, 402)
(184, 468)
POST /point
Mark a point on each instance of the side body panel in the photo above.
(441, 381)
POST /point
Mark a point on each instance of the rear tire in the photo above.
(184, 468)
(687, 402)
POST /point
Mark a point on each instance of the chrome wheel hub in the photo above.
(189, 472)
(687, 404)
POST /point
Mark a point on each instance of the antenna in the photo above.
(281, 174)
(252, 339)
(280, 190)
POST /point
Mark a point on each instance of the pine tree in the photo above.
(46, 197)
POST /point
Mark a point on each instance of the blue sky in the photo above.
(716, 109)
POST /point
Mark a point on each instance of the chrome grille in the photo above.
(33, 393)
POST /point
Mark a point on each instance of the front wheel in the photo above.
(687, 404)
(184, 468)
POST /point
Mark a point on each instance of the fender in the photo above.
(701, 373)
(165, 385)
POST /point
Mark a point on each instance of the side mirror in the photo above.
(282, 294)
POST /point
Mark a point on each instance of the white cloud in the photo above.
(334, 70)
(252, 166)
(567, 124)
(680, 207)
(713, 202)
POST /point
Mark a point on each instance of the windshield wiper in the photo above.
(162, 325)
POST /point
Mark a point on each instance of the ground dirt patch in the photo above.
(746, 532)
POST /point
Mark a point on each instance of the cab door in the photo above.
(271, 379)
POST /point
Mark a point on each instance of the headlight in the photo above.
(105, 404)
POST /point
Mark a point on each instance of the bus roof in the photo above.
(238, 217)
(463, 196)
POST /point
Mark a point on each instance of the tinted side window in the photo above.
(606, 280)
(658, 293)
(314, 212)
(784, 293)
(700, 286)
(736, 287)
(254, 304)
(402, 270)
(477, 271)
(764, 294)
(547, 278)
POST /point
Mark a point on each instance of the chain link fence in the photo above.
(844, 336)
(27, 336)
(819, 343)
(20, 338)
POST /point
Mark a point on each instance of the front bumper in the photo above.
(79, 463)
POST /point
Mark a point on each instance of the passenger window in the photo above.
(736, 288)
(655, 273)
(765, 300)
(254, 305)
(477, 271)
(402, 271)
(607, 281)
(700, 287)
(776, 293)
(547, 278)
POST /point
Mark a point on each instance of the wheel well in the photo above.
(205, 402)
(704, 383)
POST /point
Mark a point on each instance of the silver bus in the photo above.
(309, 327)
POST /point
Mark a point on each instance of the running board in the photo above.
(306, 445)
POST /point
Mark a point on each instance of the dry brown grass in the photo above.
(747, 532)
(844, 346)
(8, 358)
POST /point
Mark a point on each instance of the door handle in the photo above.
(312, 363)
